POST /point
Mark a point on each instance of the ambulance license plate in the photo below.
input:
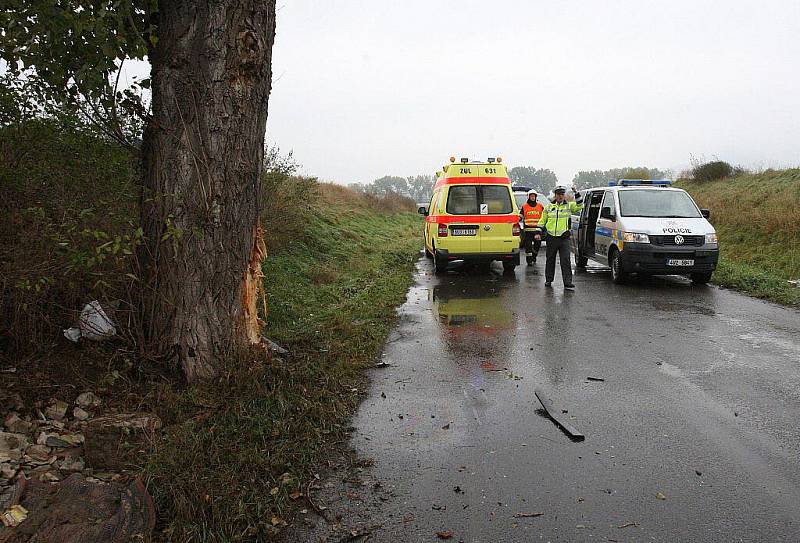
(680, 262)
(464, 231)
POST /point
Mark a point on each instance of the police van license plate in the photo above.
(672, 262)
(464, 231)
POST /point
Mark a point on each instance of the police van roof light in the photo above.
(633, 182)
(490, 160)
(464, 160)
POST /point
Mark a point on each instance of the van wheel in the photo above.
(581, 261)
(617, 275)
(439, 264)
(701, 278)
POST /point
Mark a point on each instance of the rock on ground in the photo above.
(79, 511)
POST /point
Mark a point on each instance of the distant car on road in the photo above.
(645, 227)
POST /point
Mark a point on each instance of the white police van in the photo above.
(645, 227)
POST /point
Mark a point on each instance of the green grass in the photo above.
(757, 217)
(251, 440)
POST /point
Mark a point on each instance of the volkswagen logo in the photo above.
(679, 240)
(487, 227)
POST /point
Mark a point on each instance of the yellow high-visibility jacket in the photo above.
(556, 217)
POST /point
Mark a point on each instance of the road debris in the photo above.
(491, 366)
(14, 516)
(527, 515)
(556, 417)
(93, 324)
(660, 496)
(628, 525)
(445, 534)
(600, 379)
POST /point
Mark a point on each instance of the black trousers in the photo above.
(560, 246)
(530, 244)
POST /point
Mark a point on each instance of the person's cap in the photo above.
(562, 190)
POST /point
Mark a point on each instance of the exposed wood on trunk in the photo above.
(203, 153)
(253, 288)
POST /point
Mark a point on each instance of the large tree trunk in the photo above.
(203, 153)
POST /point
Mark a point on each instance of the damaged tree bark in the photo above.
(203, 151)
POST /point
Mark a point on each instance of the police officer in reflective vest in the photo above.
(531, 212)
(555, 220)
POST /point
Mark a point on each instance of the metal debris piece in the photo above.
(556, 417)
(595, 379)
(14, 516)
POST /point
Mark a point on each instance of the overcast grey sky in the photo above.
(367, 88)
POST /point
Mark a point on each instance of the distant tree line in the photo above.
(419, 187)
(416, 187)
(541, 179)
(599, 178)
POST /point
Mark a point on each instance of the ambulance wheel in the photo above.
(701, 278)
(509, 267)
(617, 275)
(439, 265)
(581, 261)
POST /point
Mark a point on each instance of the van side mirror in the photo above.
(706, 213)
(422, 210)
(605, 213)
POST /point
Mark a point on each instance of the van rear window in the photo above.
(466, 200)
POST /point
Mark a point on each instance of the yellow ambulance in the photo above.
(472, 216)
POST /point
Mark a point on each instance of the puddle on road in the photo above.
(678, 307)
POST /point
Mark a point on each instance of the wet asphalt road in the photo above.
(700, 406)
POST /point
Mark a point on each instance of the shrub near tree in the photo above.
(711, 171)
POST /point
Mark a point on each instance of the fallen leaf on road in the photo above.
(660, 496)
(527, 515)
(444, 534)
(274, 491)
(294, 495)
(278, 521)
(489, 366)
(446, 426)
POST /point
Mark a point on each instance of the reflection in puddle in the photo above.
(477, 329)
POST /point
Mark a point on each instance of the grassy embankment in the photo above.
(757, 218)
(332, 291)
(232, 451)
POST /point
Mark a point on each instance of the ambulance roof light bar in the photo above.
(634, 182)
